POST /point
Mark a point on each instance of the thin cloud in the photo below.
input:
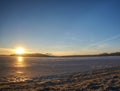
(104, 41)
(6, 49)
(97, 44)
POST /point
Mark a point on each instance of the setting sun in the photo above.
(20, 51)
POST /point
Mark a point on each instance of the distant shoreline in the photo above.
(48, 55)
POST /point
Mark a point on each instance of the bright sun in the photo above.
(20, 51)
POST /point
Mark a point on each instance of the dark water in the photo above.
(15, 69)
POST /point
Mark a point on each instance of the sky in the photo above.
(60, 27)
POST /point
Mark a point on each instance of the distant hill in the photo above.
(33, 55)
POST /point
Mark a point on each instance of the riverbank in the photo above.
(100, 80)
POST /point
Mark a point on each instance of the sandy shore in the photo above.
(100, 80)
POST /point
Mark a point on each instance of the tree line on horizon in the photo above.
(50, 55)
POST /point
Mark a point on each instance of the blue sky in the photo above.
(60, 27)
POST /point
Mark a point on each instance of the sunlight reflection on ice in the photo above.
(20, 62)
(20, 72)
(20, 59)
(19, 75)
